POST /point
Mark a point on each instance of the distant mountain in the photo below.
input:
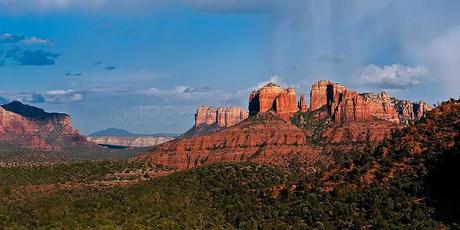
(122, 137)
(114, 132)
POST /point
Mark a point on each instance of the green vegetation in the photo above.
(11, 155)
(309, 121)
(220, 196)
(244, 196)
(80, 172)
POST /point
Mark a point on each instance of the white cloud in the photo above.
(390, 77)
(273, 79)
(11, 38)
(35, 41)
(443, 56)
(179, 90)
(62, 96)
(19, 38)
(58, 96)
(59, 91)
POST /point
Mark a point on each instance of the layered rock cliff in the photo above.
(346, 106)
(272, 97)
(361, 117)
(209, 119)
(33, 128)
(223, 117)
(263, 138)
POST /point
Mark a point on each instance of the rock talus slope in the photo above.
(263, 138)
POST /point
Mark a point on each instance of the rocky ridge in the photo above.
(263, 138)
(347, 106)
(33, 128)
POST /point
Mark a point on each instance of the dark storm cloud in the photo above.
(34, 98)
(12, 52)
(110, 68)
(205, 89)
(3, 100)
(70, 74)
(59, 96)
(37, 58)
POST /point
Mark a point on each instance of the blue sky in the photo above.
(145, 65)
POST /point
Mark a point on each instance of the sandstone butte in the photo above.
(273, 98)
(209, 119)
(268, 136)
(223, 117)
(32, 128)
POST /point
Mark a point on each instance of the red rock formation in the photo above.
(272, 97)
(342, 117)
(345, 106)
(318, 95)
(409, 111)
(262, 138)
(211, 119)
(224, 117)
(302, 104)
(361, 117)
(32, 128)
(372, 131)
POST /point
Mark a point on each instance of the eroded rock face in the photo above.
(282, 102)
(409, 111)
(345, 106)
(210, 119)
(318, 94)
(32, 128)
(303, 104)
(361, 117)
(223, 117)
